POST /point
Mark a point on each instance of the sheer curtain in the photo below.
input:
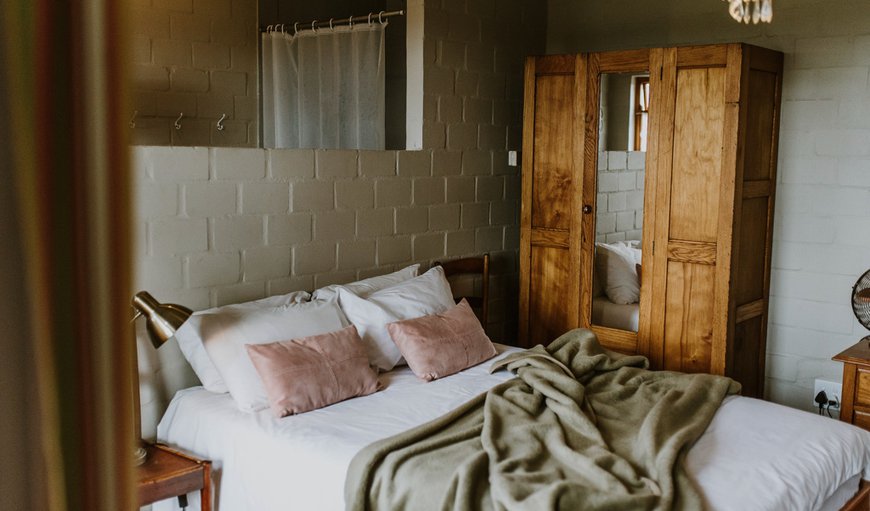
(324, 88)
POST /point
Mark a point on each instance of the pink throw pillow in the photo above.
(305, 374)
(442, 344)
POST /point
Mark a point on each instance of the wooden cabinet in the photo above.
(708, 195)
(855, 408)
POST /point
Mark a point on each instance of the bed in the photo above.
(615, 315)
(753, 455)
(787, 459)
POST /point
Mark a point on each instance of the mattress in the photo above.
(614, 315)
(755, 455)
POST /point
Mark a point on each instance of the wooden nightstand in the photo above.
(168, 473)
(855, 408)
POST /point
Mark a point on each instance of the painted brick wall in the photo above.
(619, 215)
(822, 228)
(474, 53)
(199, 58)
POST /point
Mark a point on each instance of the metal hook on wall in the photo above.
(133, 119)
(178, 121)
(220, 123)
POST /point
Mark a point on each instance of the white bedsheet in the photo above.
(754, 456)
(615, 315)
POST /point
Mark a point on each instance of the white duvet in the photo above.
(754, 456)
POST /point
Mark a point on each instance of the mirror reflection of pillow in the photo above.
(617, 262)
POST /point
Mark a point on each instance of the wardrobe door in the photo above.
(760, 91)
(694, 207)
(551, 187)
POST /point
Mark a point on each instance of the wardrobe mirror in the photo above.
(622, 141)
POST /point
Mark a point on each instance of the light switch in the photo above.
(512, 158)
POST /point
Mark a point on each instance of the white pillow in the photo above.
(421, 296)
(616, 264)
(365, 287)
(189, 337)
(225, 335)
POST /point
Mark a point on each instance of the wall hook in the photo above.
(133, 119)
(220, 123)
(178, 121)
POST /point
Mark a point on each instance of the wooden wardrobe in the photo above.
(707, 214)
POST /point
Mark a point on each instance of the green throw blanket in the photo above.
(579, 428)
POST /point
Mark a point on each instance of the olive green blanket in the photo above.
(579, 428)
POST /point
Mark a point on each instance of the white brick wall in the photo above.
(619, 204)
(822, 226)
(213, 227)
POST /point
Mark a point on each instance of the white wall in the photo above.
(822, 228)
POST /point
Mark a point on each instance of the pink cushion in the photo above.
(442, 344)
(312, 372)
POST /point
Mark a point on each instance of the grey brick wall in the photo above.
(198, 58)
(220, 225)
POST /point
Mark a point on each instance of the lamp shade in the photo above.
(162, 319)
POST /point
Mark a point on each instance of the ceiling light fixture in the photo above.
(751, 10)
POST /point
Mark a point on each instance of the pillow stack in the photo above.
(617, 267)
(293, 355)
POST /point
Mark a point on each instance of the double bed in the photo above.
(754, 455)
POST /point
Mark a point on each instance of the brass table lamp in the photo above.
(161, 322)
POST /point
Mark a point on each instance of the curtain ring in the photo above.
(330, 24)
(350, 22)
(370, 18)
(381, 17)
(313, 26)
(296, 28)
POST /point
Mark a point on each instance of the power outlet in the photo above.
(834, 391)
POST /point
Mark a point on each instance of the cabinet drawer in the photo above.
(862, 387)
(861, 419)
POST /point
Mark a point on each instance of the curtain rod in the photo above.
(371, 17)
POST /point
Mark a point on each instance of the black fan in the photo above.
(861, 300)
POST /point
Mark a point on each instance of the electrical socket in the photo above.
(833, 389)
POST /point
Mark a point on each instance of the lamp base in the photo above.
(139, 456)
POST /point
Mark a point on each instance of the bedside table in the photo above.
(855, 408)
(168, 473)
